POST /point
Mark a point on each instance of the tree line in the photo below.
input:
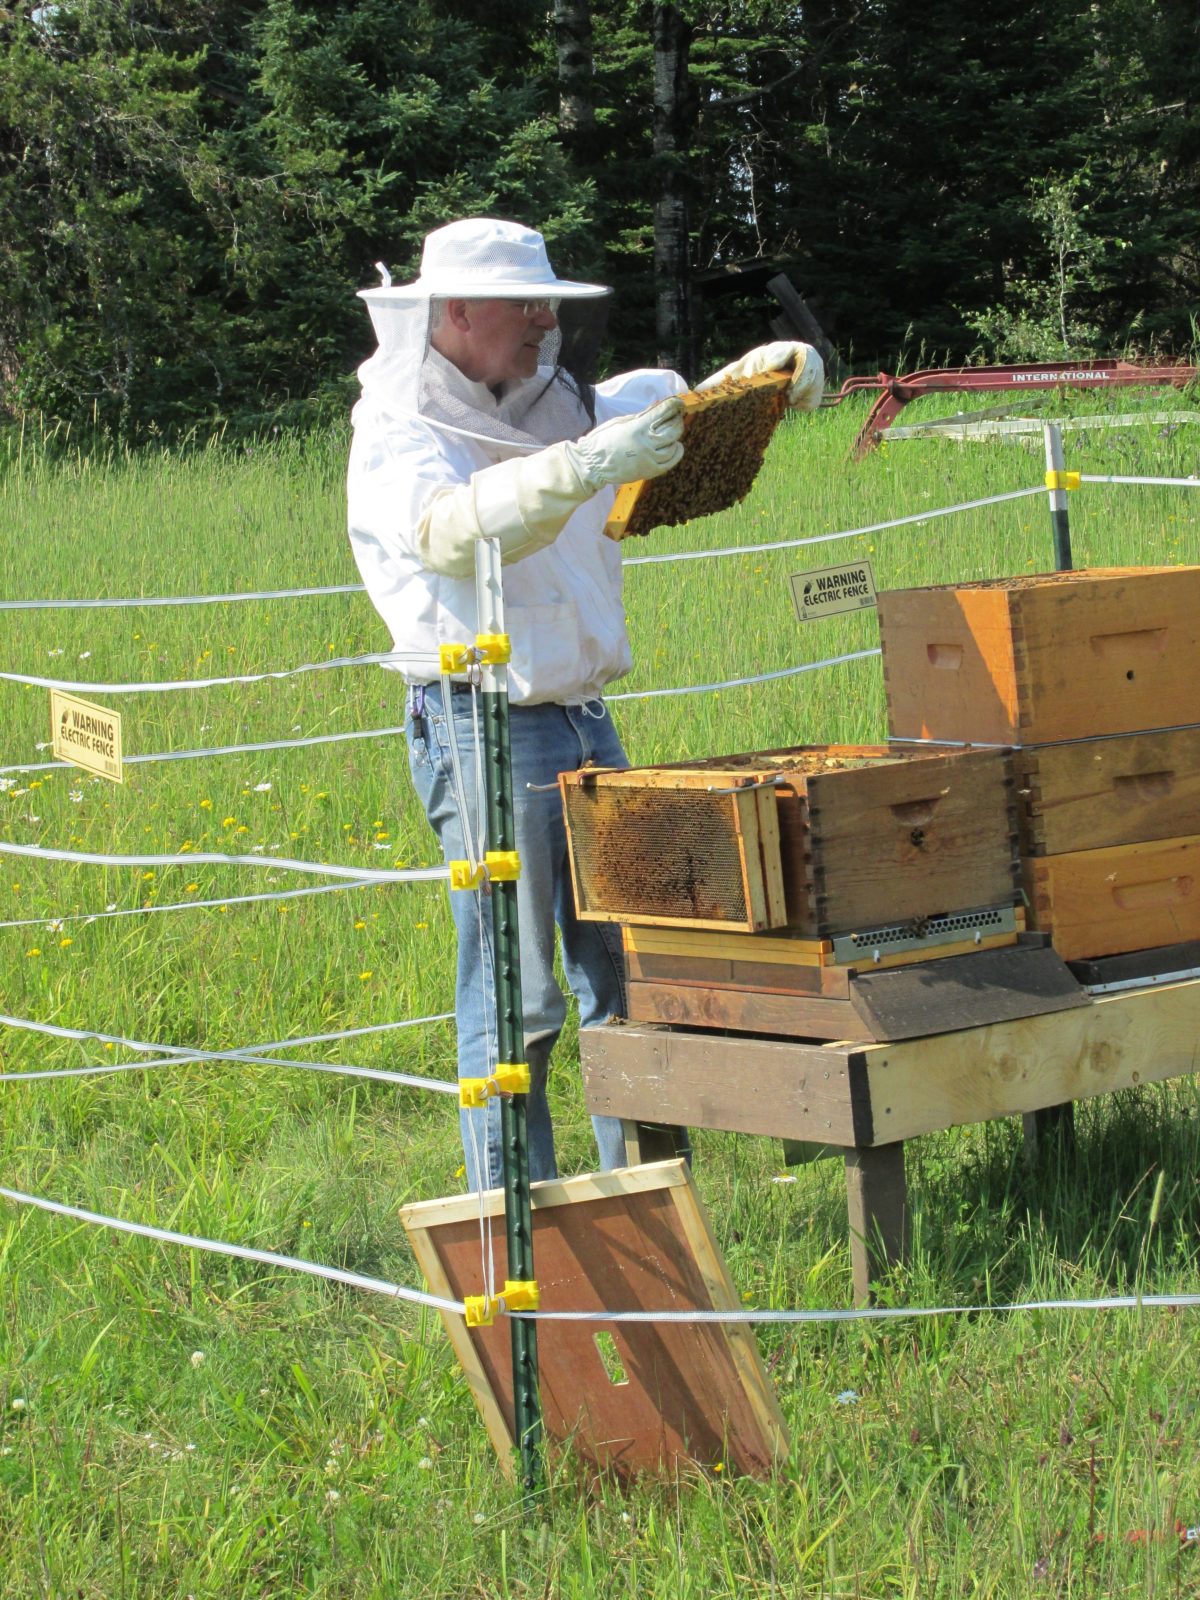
(191, 191)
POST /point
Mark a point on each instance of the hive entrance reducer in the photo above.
(726, 431)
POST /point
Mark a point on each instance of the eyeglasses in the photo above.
(533, 308)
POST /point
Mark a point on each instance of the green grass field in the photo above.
(175, 1424)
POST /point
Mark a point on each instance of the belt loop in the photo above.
(418, 702)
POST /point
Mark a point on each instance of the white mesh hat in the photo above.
(482, 258)
(477, 258)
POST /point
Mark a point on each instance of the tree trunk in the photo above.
(673, 299)
(573, 43)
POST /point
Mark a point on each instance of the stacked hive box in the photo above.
(757, 891)
(1092, 676)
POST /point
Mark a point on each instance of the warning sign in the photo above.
(88, 735)
(832, 589)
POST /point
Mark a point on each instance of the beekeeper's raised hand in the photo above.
(628, 448)
(785, 355)
(525, 503)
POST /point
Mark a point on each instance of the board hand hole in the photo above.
(606, 1347)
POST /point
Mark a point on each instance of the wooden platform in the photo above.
(869, 1098)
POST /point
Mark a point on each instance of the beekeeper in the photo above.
(479, 416)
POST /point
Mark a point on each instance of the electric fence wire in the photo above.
(749, 1314)
(829, 538)
(378, 658)
(218, 750)
(139, 601)
(181, 1055)
(314, 1269)
(214, 858)
(54, 923)
(1117, 477)
(743, 1315)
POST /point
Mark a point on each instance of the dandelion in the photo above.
(33, 952)
(191, 888)
(360, 923)
(146, 876)
(108, 1045)
(63, 943)
(206, 805)
(369, 973)
(228, 822)
(421, 925)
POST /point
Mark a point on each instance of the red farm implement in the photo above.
(895, 393)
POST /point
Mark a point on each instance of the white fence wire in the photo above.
(183, 1055)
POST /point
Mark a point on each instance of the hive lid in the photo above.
(726, 431)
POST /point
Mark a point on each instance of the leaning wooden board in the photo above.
(1061, 655)
(822, 839)
(639, 1241)
(726, 431)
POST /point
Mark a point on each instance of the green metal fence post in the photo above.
(501, 835)
(1056, 483)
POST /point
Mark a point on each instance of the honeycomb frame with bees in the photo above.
(726, 431)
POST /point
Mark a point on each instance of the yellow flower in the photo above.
(228, 822)
(146, 875)
(109, 1046)
(360, 923)
(34, 952)
(420, 924)
(191, 888)
(222, 908)
(63, 943)
(242, 828)
(363, 976)
(383, 835)
(206, 805)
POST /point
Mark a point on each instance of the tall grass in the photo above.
(325, 1443)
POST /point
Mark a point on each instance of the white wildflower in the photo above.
(19, 1404)
(847, 1398)
(197, 1358)
(425, 1464)
(332, 1496)
(84, 654)
(261, 788)
(43, 744)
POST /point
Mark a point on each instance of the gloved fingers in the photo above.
(665, 420)
(665, 456)
(807, 387)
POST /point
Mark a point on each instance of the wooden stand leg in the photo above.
(1048, 1132)
(654, 1141)
(878, 1202)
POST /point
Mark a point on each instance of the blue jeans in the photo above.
(546, 740)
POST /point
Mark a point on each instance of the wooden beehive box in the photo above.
(1062, 655)
(1098, 793)
(1107, 902)
(726, 431)
(821, 839)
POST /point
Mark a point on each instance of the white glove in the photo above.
(629, 448)
(808, 380)
(525, 503)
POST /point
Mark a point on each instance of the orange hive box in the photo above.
(1062, 655)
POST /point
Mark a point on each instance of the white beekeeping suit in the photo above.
(420, 490)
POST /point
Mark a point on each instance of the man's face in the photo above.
(496, 341)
